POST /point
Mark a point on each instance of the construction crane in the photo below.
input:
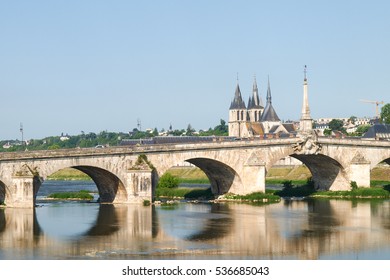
(377, 103)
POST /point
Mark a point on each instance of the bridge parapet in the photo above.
(142, 149)
(353, 142)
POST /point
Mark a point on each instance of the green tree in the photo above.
(221, 129)
(352, 119)
(336, 125)
(190, 131)
(54, 147)
(177, 132)
(385, 114)
(327, 132)
(168, 181)
(362, 129)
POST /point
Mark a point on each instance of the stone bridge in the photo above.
(130, 174)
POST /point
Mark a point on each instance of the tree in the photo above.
(190, 131)
(362, 129)
(352, 119)
(177, 132)
(168, 181)
(336, 125)
(54, 147)
(221, 129)
(385, 114)
(327, 132)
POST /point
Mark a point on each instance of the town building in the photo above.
(378, 132)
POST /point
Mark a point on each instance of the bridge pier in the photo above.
(253, 179)
(252, 176)
(359, 171)
(22, 191)
(139, 186)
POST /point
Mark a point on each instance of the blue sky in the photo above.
(70, 66)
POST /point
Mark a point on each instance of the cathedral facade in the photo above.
(254, 119)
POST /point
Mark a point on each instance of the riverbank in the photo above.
(69, 174)
(296, 176)
(277, 175)
(79, 195)
(207, 195)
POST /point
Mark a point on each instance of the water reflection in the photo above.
(217, 225)
(196, 222)
(2, 220)
(310, 229)
(66, 220)
(107, 221)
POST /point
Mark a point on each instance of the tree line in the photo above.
(104, 138)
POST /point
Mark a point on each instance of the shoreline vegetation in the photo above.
(293, 182)
(79, 195)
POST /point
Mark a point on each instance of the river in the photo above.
(291, 229)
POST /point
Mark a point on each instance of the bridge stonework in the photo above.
(130, 174)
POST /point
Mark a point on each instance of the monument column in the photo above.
(306, 120)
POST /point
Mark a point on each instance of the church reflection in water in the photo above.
(309, 229)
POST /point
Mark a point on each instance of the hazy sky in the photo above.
(88, 65)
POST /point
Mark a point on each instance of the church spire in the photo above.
(269, 114)
(269, 98)
(237, 102)
(306, 120)
(254, 100)
(255, 90)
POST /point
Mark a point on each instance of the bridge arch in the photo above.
(110, 187)
(221, 176)
(2, 192)
(379, 171)
(327, 173)
(385, 158)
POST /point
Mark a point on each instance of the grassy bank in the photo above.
(380, 175)
(299, 173)
(189, 175)
(206, 194)
(307, 190)
(69, 174)
(354, 194)
(257, 197)
(80, 195)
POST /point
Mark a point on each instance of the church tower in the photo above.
(238, 116)
(255, 106)
(269, 117)
(306, 122)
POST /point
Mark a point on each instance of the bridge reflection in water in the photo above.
(313, 229)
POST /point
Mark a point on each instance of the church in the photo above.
(255, 119)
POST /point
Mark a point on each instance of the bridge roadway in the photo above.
(130, 174)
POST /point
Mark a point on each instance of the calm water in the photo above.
(309, 229)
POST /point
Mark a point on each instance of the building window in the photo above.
(238, 115)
